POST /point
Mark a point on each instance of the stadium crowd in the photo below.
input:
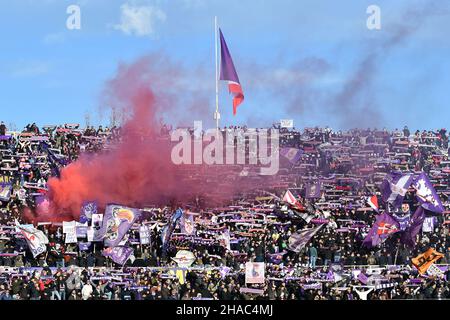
(331, 176)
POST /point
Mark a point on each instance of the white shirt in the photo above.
(86, 291)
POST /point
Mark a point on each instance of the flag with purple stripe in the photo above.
(228, 73)
(394, 188)
(116, 223)
(292, 154)
(409, 235)
(383, 227)
(119, 255)
(298, 240)
(426, 194)
(402, 220)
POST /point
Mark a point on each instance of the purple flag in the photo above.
(276, 258)
(116, 223)
(88, 208)
(187, 225)
(313, 190)
(402, 220)
(228, 73)
(394, 187)
(426, 194)
(119, 255)
(292, 154)
(363, 278)
(298, 240)
(409, 235)
(84, 246)
(383, 227)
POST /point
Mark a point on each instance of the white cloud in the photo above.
(139, 20)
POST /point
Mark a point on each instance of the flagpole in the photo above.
(216, 113)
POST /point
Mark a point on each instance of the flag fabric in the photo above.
(88, 208)
(54, 161)
(426, 194)
(116, 223)
(277, 257)
(313, 190)
(119, 255)
(402, 220)
(424, 260)
(187, 225)
(228, 73)
(6, 187)
(84, 246)
(144, 234)
(394, 188)
(428, 224)
(434, 271)
(167, 231)
(35, 238)
(290, 198)
(96, 224)
(224, 239)
(298, 240)
(373, 202)
(409, 235)
(292, 154)
(184, 258)
(70, 231)
(254, 272)
(383, 227)
(363, 278)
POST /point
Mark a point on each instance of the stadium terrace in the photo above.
(356, 215)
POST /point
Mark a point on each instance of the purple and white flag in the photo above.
(363, 278)
(119, 255)
(428, 224)
(187, 225)
(298, 240)
(228, 73)
(84, 246)
(144, 234)
(292, 154)
(116, 223)
(409, 235)
(383, 227)
(426, 194)
(88, 208)
(402, 220)
(313, 190)
(394, 188)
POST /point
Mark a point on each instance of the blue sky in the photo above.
(294, 59)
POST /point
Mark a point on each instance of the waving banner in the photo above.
(35, 238)
(116, 223)
(424, 260)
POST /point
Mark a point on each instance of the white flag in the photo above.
(36, 239)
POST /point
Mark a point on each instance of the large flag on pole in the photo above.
(394, 188)
(409, 235)
(297, 241)
(426, 194)
(383, 227)
(228, 73)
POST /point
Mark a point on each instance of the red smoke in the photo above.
(138, 170)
